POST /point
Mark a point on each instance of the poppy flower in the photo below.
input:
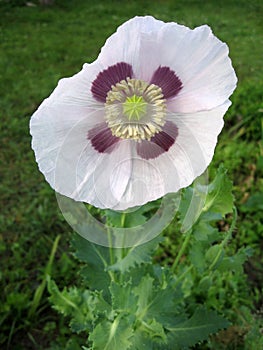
(140, 121)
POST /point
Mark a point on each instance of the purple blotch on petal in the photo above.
(168, 81)
(102, 139)
(159, 143)
(108, 77)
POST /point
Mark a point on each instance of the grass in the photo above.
(39, 45)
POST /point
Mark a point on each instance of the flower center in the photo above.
(135, 109)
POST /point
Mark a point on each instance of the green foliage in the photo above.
(97, 259)
(195, 329)
(41, 45)
(137, 255)
(150, 305)
(219, 198)
(113, 335)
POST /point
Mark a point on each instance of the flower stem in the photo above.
(182, 249)
(123, 250)
(110, 246)
(182, 276)
(225, 240)
(123, 217)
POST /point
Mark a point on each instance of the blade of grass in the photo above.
(40, 290)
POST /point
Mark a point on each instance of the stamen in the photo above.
(135, 109)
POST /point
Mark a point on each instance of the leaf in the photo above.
(114, 335)
(123, 300)
(144, 292)
(155, 331)
(95, 279)
(90, 253)
(235, 262)
(191, 205)
(72, 303)
(195, 329)
(97, 258)
(216, 252)
(219, 198)
(157, 302)
(196, 256)
(82, 307)
(203, 231)
(206, 203)
(137, 255)
(142, 341)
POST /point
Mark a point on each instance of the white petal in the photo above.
(124, 45)
(194, 146)
(96, 178)
(50, 126)
(201, 62)
(186, 159)
(76, 90)
(198, 58)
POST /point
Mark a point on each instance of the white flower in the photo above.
(139, 122)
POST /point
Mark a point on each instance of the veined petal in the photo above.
(100, 179)
(109, 77)
(158, 144)
(50, 126)
(201, 62)
(197, 58)
(185, 160)
(101, 138)
(87, 134)
(124, 44)
(168, 81)
(194, 147)
(76, 90)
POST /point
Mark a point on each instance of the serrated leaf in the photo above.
(90, 253)
(114, 335)
(136, 256)
(72, 303)
(219, 198)
(151, 303)
(141, 341)
(97, 258)
(81, 306)
(155, 331)
(122, 298)
(195, 329)
(235, 262)
(196, 256)
(144, 292)
(203, 231)
(95, 279)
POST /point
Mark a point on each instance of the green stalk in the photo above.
(225, 240)
(182, 249)
(110, 246)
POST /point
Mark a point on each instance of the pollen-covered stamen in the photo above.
(135, 109)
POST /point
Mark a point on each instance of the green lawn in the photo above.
(39, 45)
